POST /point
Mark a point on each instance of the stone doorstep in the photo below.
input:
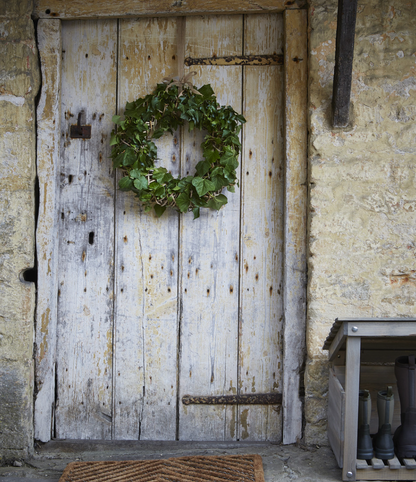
(281, 463)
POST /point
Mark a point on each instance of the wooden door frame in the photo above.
(50, 13)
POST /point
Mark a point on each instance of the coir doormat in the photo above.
(228, 468)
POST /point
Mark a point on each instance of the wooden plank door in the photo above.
(150, 310)
(84, 367)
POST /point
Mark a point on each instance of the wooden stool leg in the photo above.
(352, 381)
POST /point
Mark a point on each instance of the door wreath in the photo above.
(173, 103)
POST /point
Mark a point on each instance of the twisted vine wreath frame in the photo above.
(146, 119)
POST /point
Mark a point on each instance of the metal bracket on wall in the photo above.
(78, 131)
(251, 399)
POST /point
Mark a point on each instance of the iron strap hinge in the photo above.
(274, 59)
(251, 399)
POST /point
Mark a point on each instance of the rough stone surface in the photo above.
(362, 183)
(19, 83)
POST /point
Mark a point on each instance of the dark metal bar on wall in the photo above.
(251, 399)
(344, 54)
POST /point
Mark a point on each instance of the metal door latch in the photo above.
(78, 131)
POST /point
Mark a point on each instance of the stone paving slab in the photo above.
(281, 463)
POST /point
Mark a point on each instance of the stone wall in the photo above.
(19, 83)
(362, 242)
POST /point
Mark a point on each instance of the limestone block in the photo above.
(15, 29)
(18, 61)
(16, 150)
(16, 336)
(316, 433)
(16, 419)
(16, 8)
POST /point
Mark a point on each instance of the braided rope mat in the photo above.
(228, 468)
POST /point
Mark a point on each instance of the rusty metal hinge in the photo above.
(78, 131)
(251, 399)
(274, 59)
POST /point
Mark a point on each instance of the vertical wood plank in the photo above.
(209, 256)
(48, 163)
(86, 216)
(295, 64)
(146, 258)
(352, 381)
(260, 350)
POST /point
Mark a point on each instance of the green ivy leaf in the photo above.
(202, 167)
(158, 133)
(211, 156)
(206, 91)
(160, 192)
(125, 183)
(116, 119)
(140, 183)
(129, 157)
(159, 210)
(229, 175)
(219, 182)
(202, 186)
(229, 159)
(154, 186)
(217, 202)
(135, 174)
(113, 139)
(196, 213)
(183, 201)
(159, 174)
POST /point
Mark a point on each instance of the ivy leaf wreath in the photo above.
(173, 103)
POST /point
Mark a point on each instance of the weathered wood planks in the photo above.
(86, 234)
(48, 163)
(209, 256)
(146, 259)
(77, 9)
(261, 263)
(294, 285)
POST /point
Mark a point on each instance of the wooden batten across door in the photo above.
(138, 313)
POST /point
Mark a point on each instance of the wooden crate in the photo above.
(362, 355)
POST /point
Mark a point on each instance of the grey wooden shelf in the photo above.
(366, 348)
